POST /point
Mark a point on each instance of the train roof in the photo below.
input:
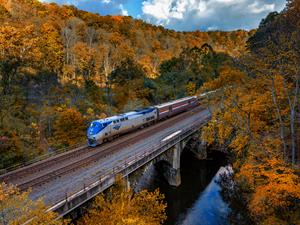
(131, 113)
(143, 110)
(175, 101)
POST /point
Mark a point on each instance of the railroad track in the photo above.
(44, 171)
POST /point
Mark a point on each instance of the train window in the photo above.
(126, 118)
(96, 124)
(105, 133)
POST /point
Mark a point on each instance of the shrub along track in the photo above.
(46, 170)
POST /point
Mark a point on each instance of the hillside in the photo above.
(62, 64)
(88, 44)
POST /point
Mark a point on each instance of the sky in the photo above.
(186, 15)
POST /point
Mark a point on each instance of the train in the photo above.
(109, 128)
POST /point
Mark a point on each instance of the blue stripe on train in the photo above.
(145, 111)
(93, 130)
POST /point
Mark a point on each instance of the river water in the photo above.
(197, 201)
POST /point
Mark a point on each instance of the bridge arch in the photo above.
(170, 159)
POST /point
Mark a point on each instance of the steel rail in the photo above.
(64, 163)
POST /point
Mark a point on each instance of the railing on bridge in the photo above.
(124, 168)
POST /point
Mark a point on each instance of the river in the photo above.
(197, 201)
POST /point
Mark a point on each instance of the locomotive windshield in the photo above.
(95, 128)
(96, 124)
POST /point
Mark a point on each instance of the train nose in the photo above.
(91, 132)
(92, 142)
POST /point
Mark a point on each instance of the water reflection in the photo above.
(209, 207)
(197, 200)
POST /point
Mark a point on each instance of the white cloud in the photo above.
(256, 8)
(106, 1)
(123, 10)
(157, 9)
(212, 28)
(208, 14)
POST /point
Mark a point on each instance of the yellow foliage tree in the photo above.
(69, 127)
(18, 47)
(275, 190)
(16, 208)
(245, 122)
(123, 207)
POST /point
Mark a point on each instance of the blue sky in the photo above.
(186, 15)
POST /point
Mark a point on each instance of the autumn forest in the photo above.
(61, 67)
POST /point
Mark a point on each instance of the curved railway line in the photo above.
(49, 169)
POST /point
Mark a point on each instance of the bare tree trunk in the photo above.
(293, 114)
(108, 69)
(292, 105)
(281, 124)
(293, 136)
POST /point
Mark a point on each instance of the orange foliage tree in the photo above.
(69, 127)
(17, 208)
(121, 206)
(244, 121)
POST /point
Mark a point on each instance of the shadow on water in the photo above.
(197, 200)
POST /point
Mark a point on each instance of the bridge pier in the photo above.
(127, 182)
(172, 173)
(199, 148)
(173, 176)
